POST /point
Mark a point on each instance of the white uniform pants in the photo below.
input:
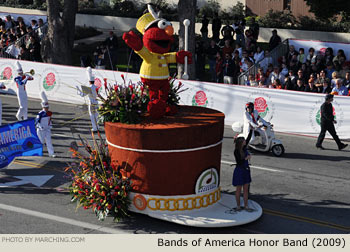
(45, 136)
(93, 116)
(22, 113)
(256, 140)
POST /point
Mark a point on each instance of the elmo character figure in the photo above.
(154, 72)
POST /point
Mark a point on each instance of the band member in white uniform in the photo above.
(92, 94)
(21, 81)
(43, 125)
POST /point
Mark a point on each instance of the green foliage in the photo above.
(250, 18)
(237, 11)
(325, 10)
(167, 10)
(278, 19)
(209, 9)
(227, 16)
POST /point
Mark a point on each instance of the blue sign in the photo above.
(19, 139)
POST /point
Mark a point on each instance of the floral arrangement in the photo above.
(174, 92)
(98, 183)
(123, 103)
(126, 103)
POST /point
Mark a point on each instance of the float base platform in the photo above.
(217, 215)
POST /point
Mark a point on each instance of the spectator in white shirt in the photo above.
(266, 61)
(258, 55)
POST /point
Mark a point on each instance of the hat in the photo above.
(90, 76)
(146, 20)
(19, 67)
(329, 96)
(44, 101)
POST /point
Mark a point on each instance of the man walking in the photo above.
(327, 124)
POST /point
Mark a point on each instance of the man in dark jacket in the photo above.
(327, 124)
(111, 44)
(216, 27)
(275, 40)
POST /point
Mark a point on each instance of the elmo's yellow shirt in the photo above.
(155, 65)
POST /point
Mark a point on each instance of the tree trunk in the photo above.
(57, 45)
(187, 10)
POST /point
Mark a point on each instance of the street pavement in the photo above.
(304, 191)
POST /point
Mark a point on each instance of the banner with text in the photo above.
(290, 111)
(19, 139)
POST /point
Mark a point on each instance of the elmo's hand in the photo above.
(132, 40)
(180, 57)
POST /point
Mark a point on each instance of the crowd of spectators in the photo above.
(21, 41)
(234, 53)
(302, 70)
(312, 72)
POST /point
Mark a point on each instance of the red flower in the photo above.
(117, 188)
(116, 88)
(133, 96)
(180, 84)
(105, 82)
(98, 187)
(122, 76)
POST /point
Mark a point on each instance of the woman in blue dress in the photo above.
(241, 175)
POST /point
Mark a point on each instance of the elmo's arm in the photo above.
(180, 57)
(135, 42)
(132, 40)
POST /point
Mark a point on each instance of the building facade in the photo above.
(253, 7)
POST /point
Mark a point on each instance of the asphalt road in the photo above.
(306, 191)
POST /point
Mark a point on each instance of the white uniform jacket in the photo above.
(252, 122)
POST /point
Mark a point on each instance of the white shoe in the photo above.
(53, 155)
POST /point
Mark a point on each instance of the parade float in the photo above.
(167, 156)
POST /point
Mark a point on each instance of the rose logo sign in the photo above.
(261, 106)
(49, 81)
(323, 50)
(6, 74)
(200, 99)
(98, 83)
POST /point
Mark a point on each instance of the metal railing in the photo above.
(21, 41)
(275, 54)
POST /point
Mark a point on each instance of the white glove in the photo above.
(79, 92)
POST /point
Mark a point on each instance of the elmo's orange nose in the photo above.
(169, 30)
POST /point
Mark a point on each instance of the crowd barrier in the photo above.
(290, 111)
